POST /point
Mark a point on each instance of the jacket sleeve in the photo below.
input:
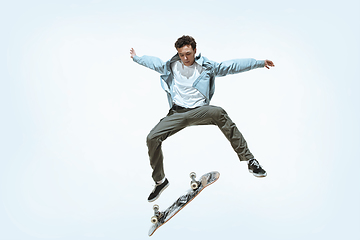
(153, 63)
(237, 66)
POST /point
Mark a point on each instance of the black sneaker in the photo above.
(159, 188)
(255, 168)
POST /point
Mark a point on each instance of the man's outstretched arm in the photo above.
(153, 63)
(240, 65)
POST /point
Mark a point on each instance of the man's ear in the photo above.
(195, 51)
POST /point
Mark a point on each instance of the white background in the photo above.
(75, 112)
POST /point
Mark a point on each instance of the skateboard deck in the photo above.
(161, 217)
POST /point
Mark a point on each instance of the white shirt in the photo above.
(185, 94)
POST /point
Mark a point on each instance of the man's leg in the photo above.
(171, 124)
(167, 126)
(217, 116)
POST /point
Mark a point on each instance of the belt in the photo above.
(177, 107)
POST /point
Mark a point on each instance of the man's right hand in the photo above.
(132, 53)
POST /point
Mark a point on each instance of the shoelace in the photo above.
(155, 186)
(254, 162)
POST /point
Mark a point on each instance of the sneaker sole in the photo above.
(257, 174)
(151, 200)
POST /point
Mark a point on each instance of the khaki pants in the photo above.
(179, 118)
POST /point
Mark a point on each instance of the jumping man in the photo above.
(189, 82)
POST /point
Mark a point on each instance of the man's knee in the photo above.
(217, 112)
(151, 140)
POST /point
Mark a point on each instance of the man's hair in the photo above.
(185, 40)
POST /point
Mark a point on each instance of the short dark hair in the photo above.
(185, 40)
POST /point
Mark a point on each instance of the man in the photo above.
(189, 82)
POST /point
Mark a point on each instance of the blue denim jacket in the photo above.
(205, 83)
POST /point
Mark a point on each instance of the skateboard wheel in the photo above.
(194, 185)
(192, 174)
(154, 220)
(156, 207)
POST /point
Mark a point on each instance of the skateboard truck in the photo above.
(157, 214)
(193, 184)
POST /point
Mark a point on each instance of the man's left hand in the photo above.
(269, 64)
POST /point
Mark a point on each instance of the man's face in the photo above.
(187, 55)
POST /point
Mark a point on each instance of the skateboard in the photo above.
(161, 217)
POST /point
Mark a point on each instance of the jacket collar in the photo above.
(199, 59)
